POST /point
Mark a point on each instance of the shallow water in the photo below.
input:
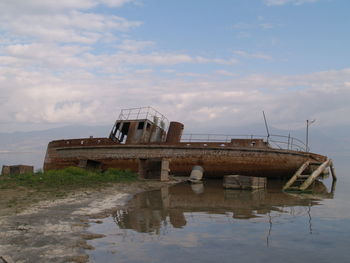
(205, 223)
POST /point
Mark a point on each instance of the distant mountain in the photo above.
(30, 147)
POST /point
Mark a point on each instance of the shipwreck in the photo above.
(144, 141)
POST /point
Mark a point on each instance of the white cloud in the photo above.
(190, 74)
(43, 56)
(252, 55)
(37, 7)
(65, 27)
(52, 72)
(225, 73)
(230, 61)
(116, 3)
(87, 98)
(45, 6)
(135, 46)
(284, 2)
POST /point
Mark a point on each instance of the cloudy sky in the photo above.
(81, 61)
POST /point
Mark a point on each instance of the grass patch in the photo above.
(71, 177)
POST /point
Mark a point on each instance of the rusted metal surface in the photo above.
(174, 132)
(217, 159)
(141, 133)
(249, 143)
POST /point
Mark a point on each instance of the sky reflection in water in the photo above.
(205, 223)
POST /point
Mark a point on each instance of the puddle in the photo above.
(206, 223)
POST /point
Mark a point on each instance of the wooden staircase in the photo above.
(300, 182)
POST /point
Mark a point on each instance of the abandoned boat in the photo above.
(144, 141)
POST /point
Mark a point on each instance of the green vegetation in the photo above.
(68, 178)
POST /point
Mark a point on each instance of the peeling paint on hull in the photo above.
(217, 160)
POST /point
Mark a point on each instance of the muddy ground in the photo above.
(52, 227)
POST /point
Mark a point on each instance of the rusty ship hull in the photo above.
(216, 159)
(142, 135)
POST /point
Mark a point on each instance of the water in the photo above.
(205, 223)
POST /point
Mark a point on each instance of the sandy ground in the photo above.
(55, 228)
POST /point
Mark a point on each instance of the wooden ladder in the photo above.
(300, 182)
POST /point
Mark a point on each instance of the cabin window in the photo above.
(148, 125)
(125, 128)
(124, 132)
(141, 125)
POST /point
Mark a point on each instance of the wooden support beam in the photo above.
(296, 175)
(334, 183)
(314, 175)
(331, 166)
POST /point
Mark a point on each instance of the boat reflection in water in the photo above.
(151, 211)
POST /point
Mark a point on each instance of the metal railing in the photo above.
(145, 113)
(276, 141)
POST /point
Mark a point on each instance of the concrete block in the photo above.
(154, 168)
(17, 169)
(5, 170)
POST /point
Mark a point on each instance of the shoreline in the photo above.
(54, 229)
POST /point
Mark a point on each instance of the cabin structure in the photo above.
(143, 126)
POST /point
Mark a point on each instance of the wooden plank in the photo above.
(295, 176)
(331, 166)
(334, 183)
(314, 175)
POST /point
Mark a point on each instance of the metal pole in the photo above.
(308, 123)
(288, 140)
(307, 135)
(267, 128)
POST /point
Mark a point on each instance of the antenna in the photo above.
(267, 127)
(308, 123)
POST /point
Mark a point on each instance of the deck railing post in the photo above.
(137, 117)
(288, 140)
